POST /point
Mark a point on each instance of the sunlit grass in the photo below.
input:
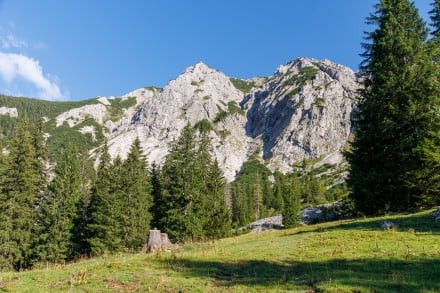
(346, 256)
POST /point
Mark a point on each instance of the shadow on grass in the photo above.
(422, 222)
(366, 275)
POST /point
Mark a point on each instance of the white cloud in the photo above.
(18, 66)
(10, 41)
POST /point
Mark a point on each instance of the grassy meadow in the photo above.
(343, 256)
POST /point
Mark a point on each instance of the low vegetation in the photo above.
(116, 110)
(232, 109)
(345, 256)
(305, 74)
(242, 85)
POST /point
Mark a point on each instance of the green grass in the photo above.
(345, 256)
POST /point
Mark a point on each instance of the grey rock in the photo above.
(387, 224)
(11, 112)
(326, 212)
(437, 215)
(270, 223)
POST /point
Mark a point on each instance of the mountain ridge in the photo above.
(303, 111)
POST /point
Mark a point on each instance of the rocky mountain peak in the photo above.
(303, 111)
(198, 68)
(295, 65)
(199, 93)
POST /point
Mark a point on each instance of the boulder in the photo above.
(437, 215)
(387, 224)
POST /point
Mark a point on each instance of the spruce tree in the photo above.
(292, 204)
(435, 18)
(250, 192)
(180, 192)
(136, 198)
(157, 209)
(41, 155)
(387, 126)
(58, 210)
(218, 219)
(20, 184)
(104, 227)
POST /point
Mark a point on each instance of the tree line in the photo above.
(57, 214)
(69, 216)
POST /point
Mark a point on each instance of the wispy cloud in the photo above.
(17, 66)
(10, 41)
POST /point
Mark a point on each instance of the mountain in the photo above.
(302, 112)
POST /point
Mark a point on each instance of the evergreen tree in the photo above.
(82, 220)
(58, 210)
(435, 18)
(202, 165)
(429, 150)
(251, 192)
(388, 127)
(136, 198)
(218, 219)
(158, 206)
(180, 192)
(104, 227)
(19, 192)
(292, 203)
(41, 155)
(279, 189)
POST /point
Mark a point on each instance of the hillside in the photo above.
(85, 123)
(346, 256)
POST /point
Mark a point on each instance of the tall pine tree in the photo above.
(136, 198)
(157, 208)
(387, 126)
(58, 210)
(20, 183)
(180, 192)
(104, 227)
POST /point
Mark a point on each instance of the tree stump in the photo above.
(154, 241)
(166, 243)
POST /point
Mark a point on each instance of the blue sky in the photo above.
(79, 49)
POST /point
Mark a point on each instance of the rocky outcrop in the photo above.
(198, 93)
(271, 223)
(303, 111)
(11, 112)
(78, 115)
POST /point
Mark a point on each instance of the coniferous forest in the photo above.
(58, 211)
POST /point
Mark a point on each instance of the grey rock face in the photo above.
(199, 93)
(303, 111)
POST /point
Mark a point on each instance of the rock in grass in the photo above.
(387, 224)
(437, 215)
(271, 223)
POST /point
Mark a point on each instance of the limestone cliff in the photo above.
(303, 111)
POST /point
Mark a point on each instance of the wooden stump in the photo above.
(166, 243)
(154, 243)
